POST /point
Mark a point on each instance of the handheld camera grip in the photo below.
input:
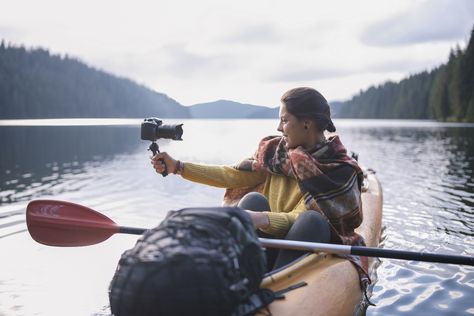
(155, 150)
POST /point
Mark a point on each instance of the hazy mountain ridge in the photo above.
(335, 107)
(223, 109)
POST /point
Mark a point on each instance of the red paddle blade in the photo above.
(59, 223)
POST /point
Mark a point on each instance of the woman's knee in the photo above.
(254, 201)
(311, 216)
(310, 226)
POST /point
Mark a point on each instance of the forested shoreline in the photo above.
(444, 94)
(37, 84)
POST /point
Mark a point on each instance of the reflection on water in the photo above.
(426, 170)
(37, 158)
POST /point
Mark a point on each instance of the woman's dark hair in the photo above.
(307, 103)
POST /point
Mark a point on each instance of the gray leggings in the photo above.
(309, 226)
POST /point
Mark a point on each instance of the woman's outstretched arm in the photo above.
(217, 176)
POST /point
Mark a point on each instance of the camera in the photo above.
(152, 128)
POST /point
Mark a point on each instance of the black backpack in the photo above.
(198, 261)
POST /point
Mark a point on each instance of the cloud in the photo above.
(308, 74)
(260, 33)
(400, 65)
(385, 66)
(182, 62)
(7, 32)
(430, 21)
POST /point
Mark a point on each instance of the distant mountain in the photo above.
(271, 113)
(36, 84)
(335, 107)
(231, 109)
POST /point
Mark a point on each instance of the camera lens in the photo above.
(173, 132)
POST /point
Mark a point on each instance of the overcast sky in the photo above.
(247, 51)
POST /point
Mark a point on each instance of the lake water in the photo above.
(426, 170)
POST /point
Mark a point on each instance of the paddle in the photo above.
(58, 223)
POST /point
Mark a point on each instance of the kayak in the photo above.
(333, 286)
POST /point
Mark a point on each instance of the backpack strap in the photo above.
(254, 303)
(262, 298)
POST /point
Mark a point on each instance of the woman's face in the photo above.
(293, 130)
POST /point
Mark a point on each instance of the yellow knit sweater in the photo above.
(283, 193)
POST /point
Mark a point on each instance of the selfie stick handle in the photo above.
(155, 149)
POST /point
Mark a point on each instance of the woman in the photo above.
(312, 186)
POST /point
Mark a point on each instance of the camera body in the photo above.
(152, 128)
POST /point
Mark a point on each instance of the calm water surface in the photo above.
(426, 170)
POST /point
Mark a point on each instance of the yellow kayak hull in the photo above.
(332, 283)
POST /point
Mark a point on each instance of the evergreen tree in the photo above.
(439, 96)
(453, 85)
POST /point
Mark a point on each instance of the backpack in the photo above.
(198, 261)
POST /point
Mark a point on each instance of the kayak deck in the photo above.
(332, 282)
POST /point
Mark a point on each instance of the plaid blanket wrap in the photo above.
(329, 180)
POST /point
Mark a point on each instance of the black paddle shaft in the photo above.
(410, 255)
(131, 230)
(345, 249)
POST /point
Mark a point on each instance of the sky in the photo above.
(249, 51)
